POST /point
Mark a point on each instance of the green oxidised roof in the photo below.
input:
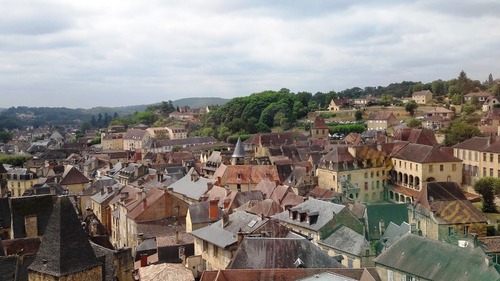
(396, 213)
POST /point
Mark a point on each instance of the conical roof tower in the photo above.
(239, 154)
(65, 249)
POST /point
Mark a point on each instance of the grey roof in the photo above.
(393, 232)
(65, 248)
(326, 212)
(239, 151)
(102, 197)
(435, 260)
(259, 253)
(199, 212)
(188, 141)
(109, 265)
(224, 237)
(347, 241)
(39, 205)
(8, 266)
(327, 276)
(193, 189)
(4, 213)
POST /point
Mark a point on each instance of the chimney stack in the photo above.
(213, 210)
(225, 219)
(144, 259)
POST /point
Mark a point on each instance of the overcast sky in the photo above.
(120, 52)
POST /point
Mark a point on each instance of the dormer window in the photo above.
(238, 176)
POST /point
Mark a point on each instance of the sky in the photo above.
(81, 54)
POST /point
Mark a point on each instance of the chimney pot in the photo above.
(144, 259)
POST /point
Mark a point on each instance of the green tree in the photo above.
(456, 99)
(468, 109)
(486, 188)
(460, 132)
(358, 115)
(410, 107)
(414, 123)
(85, 126)
(5, 136)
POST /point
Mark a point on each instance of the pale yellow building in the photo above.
(414, 164)
(422, 97)
(176, 133)
(134, 139)
(481, 158)
(19, 180)
(112, 141)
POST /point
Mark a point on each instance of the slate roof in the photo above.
(199, 213)
(239, 151)
(347, 241)
(420, 153)
(109, 265)
(2, 169)
(396, 213)
(258, 253)
(8, 266)
(227, 236)
(192, 189)
(5, 215)
(435, 260)
(326, 212)
(393, 232)
(65, 248)
(107, 196)
(39, 205)
(134, 134)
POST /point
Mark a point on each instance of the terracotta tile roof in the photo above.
(155, 194)
(319, 123)
(383, 115)
(275, 139)
(289, 274)
(421, 93)
(72, 176)
(166, 271)
(478, 94)
(482, 144)
(253, 174)
(420, 153)
(491, 244)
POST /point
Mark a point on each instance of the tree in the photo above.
(358, 115)
(414, 123)
(468, 109)
(456, 99)
(486, 187)
(411, 106)
(85, 126)
(5, 136)
(460, 132)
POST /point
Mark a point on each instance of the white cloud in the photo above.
(88, 53)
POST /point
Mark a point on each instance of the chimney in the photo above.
(226, 204)
(213, 210)
(210, 185)
(144, 204)
(110, 189)
(225, 219)
(488, 260)
(102, 191)
(144, 259)
(381, 227)
(241, 235)
(475, 242)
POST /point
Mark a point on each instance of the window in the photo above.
(491, 172)
(484, 172)
(430, 168)
(416, 167)
(441, 168)
(366, 185)
(350, 263)
(238, 187)
(390, 275)
(205, 246)
(484, 157)
(373, 184)
(466, 230)
(451, 231)
(378, 184)
(476, 156)
(463, 154)
(453, 167)
(411, 168)
(399, 163)
(366, 175)
(491, 157)
(216, 251)
(371, 174)
(470, 155)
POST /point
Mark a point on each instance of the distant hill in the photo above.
(199, 102)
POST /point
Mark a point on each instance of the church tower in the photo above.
(238, 157)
